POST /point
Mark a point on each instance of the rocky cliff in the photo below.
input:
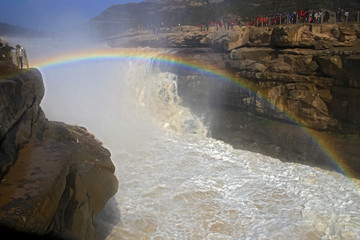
(309, 71)
(55, 178)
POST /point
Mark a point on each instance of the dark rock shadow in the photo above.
(107, 219)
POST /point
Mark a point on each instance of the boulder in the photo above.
(294, 36)
(348, 32)
(239, 40)
(260, 37)
(303, 102)
(330, 66)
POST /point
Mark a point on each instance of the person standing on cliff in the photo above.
(347, 15)
(21, 56)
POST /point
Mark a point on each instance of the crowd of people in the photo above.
(6, 54)
(314, 16)
(304, 16)
(296, 17)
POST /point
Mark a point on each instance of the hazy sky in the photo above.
(52, 14)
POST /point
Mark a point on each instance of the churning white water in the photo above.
(177, 183)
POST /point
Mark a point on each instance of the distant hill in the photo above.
(15, 31)
(119, 18)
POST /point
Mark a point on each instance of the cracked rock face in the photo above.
(20, 115)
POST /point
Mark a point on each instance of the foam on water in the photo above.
(175, 187)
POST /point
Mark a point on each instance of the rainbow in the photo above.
(159, 57)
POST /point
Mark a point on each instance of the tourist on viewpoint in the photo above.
(21, 57)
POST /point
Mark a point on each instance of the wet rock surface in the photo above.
(55, 178)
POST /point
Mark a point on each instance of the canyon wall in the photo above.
(283, 76)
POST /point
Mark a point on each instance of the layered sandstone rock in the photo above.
(55, 178)
(315, 36)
